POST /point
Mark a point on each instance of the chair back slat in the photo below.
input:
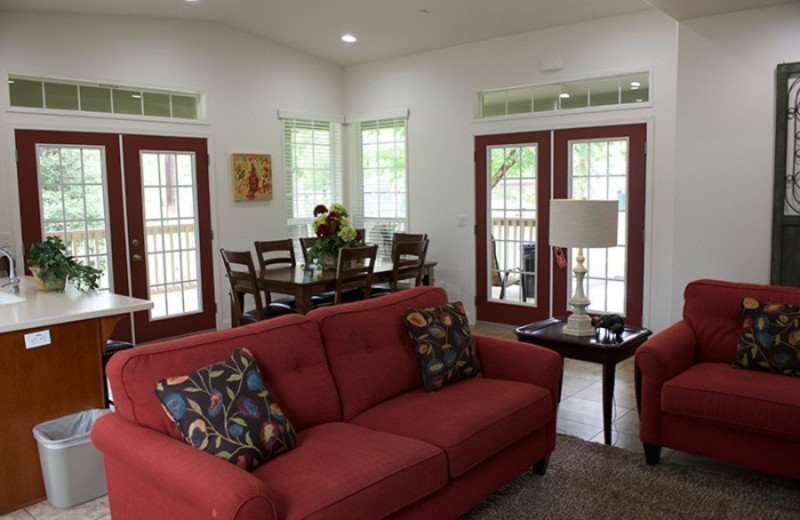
(275, 253)
(305, 245)
(408, 262)
(408, 237)
(354, 269)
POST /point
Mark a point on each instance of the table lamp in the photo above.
(582, 223)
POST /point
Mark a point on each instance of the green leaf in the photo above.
(194, 406)
(215, 373)
(234, 377)
(238, 420)
(231, 393)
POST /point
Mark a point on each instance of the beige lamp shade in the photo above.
(583, 223)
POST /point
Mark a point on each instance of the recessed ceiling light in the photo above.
(563, 95)
(635, 85)
(349, 38)
(192, 0)
(137, 96)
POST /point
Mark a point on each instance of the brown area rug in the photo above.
(594, 481)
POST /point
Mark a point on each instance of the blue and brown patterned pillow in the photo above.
(770, 340)
(443, 344)
(226, 410)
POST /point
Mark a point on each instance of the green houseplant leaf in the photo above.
(51, 257)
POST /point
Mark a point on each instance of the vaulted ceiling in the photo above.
(386, 28)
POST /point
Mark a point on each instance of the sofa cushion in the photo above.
(713, 310)
(344, 471)
(225, 410)
(770, 340)
(443, 344)
(720, 394)
(288, 351)
(368, 347)
(470, 420)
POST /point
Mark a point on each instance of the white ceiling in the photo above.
(387, 28)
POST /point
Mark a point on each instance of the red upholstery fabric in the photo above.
(149, 473)
(719, 394)
(369, 349)
(713, 309)
(343, 471)
(471, 488)
(288, 351)
(471, 420)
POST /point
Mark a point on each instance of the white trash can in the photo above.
(72, 467)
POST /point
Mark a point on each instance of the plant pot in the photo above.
(47, 281)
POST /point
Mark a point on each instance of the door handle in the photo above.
(137, 258)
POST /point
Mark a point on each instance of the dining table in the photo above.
(303, 282)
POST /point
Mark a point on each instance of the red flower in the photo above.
(323, 230)
(320, 209)
(333, 219)
(359, 235)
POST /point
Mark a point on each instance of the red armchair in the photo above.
(692, 399)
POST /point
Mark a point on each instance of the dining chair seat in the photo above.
(271, 254)
(408, 263)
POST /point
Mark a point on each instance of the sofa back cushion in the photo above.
(369, 348)
(288, 351)
(713, 309)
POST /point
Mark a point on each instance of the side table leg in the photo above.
(608, 398)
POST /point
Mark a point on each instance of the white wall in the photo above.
(726, 135)
(247, 79)
(440, 90)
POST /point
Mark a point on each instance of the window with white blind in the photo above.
(381, 207)
(313, 159)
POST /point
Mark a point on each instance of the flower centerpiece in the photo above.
(334, 231)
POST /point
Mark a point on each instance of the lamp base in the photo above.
(579, 325)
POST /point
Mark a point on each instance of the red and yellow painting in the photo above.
(252, 177)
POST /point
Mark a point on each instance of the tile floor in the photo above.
(580, 414)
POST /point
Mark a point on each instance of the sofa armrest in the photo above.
(668, 353)
(208, 486)
(516, 361)
(664, 356)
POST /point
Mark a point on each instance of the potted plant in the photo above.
(51, 266)
(333, 228)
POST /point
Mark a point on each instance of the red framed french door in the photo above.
(516, 283)
(605, 163)
(72, 184)
(512, 186)
(169, 234)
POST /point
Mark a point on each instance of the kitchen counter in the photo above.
(51, 347)
(42, 309)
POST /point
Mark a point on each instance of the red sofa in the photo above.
(692, 398)
(371, 442)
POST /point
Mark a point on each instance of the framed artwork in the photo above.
(252, 176)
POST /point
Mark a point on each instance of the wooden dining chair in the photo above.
(408, 263)
(354, 269)
(272, 254)
(243, 281)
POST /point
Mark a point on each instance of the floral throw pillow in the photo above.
(770, 340)
(226, 410)
(443, 344)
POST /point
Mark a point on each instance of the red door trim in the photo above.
(507, 312)
(634, 276)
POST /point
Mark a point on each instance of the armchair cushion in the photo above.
(443, 344)
(225, 410)
(770, 340)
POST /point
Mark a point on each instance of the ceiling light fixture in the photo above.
(349, 38)
(635, 85)
(564, 95)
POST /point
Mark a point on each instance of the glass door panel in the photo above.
(168, 181)
(73, 202)
(599, 171)
(511, 245)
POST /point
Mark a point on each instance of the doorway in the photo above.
(137, 207)
(517, 283)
